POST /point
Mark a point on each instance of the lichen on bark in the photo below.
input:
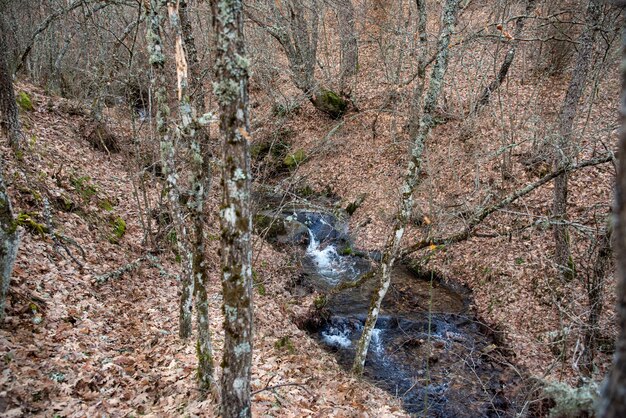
(231, 88)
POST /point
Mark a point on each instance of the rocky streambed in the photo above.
(427, 348)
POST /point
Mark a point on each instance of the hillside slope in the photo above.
(72, 346)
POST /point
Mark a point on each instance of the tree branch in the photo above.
(480, 216)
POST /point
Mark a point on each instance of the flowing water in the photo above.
(426, 349)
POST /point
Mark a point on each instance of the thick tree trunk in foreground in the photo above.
(566, 147)
(613, 402)
(168, 151)
(392, 247)
(231, 89)
(196, 138)
(9, 242)
(8, 107)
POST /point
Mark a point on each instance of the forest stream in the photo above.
(426, 349)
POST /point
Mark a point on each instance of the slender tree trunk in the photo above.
(296, 29)
(595, 289)
(613, 401)
(392, 247)
(508, 58)
(231, 89)
(418, 91)
(157, 62)
(9, 243)
(348, 45)
(8, 107)
(566, 146)
(194, 135)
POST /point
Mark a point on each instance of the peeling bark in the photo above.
(197, 138)
(231, 90)
(392, 248)
(168, 153)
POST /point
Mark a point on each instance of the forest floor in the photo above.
(74, 347)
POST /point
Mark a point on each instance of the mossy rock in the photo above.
(278, 228)
(106, 204)
(275, 145)
(295, 159)
(346, 251)
(27, 220)
(118, 226)
(330, 103)
(268, 224)
(24, 101)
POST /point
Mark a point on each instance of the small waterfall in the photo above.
(337, 336)
(333, 267)
(341, 333)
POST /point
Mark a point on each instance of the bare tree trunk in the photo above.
(196, 137)
(448, 20)
(10, 116)
(509, 57)
(348, 45)
(195, 76)
(595, 289)
(416, 99)
(566, 147)
(157, 62)
(231, 89)
(9, 243)
(613, 401)
(297, 32)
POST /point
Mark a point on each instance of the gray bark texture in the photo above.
(196, 137)
(231, 90)
(392, 247)
(168, 151)
(9, 243)
(8, 107)
(613, 400)
(566, 144)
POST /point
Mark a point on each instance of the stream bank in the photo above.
(427, 348)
